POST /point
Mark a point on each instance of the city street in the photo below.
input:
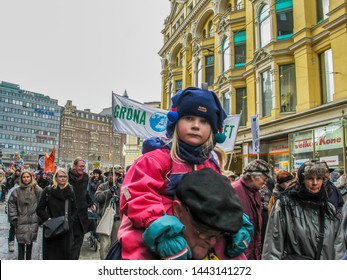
(87, 253)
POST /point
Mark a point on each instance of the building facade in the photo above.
(283, 61)
(89, 135)
(29, 124)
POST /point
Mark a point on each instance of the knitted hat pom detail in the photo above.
(173, 115)
(220, 136)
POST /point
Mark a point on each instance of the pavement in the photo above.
(87, 252)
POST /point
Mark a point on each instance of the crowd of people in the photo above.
(35, 197)
(176, 201)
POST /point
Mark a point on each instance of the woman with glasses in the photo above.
(303, 224)
(51, 205)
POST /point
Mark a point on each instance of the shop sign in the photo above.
(331, 161)
(278, 147)
(299, 162)
(326, 138)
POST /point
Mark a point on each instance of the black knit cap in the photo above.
(211, 200)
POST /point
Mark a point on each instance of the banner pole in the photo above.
(112, 146)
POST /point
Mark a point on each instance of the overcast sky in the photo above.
(82, 50)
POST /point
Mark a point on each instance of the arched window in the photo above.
(225, 54)
(264, 25)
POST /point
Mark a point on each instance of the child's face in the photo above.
(193, 130)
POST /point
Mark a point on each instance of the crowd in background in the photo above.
(99, 188)
(177, 201)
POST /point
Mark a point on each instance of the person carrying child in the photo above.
(194, 126)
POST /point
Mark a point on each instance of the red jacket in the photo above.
(145, 197)
(251, 202)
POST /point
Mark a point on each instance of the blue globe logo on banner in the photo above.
(158, 122)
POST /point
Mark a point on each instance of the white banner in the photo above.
(133, 118)
(255, 134)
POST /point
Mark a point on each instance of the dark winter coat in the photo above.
(334, 196)
(43, 182)
(22, 213)
(92, 188)
(52, 205)
(83, 201)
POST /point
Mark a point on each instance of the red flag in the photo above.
(49, 162)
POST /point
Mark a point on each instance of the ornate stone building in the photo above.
(283, 61)
(90, 136)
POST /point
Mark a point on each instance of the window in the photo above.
(210, 29)
(266, 93)
(327, 76)
(209, 70)
(284, 16)
(241, 105)
(225, 54)
(198, 73)
(178, 85)
(287, 88)
(170, 95)
(322, 9)
(264, 25)
(226, 102)
(240, 48)
(238, 4)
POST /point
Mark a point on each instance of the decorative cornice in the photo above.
(184, 24)
(300, 43)
(260, 56)
(336, 22)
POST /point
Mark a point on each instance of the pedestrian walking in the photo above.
(78, 179)
(254, 177)
(11, 232)
(284, 180)
(303, 223)
(52, 205)
(21, 212)
(3, 182)
(106, 193)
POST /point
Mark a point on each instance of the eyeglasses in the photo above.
(203, 233)
(62, 176)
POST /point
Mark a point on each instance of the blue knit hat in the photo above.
(194, 101)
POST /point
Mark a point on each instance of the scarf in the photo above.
(193, 154)
(188, 153)
(304, 195)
